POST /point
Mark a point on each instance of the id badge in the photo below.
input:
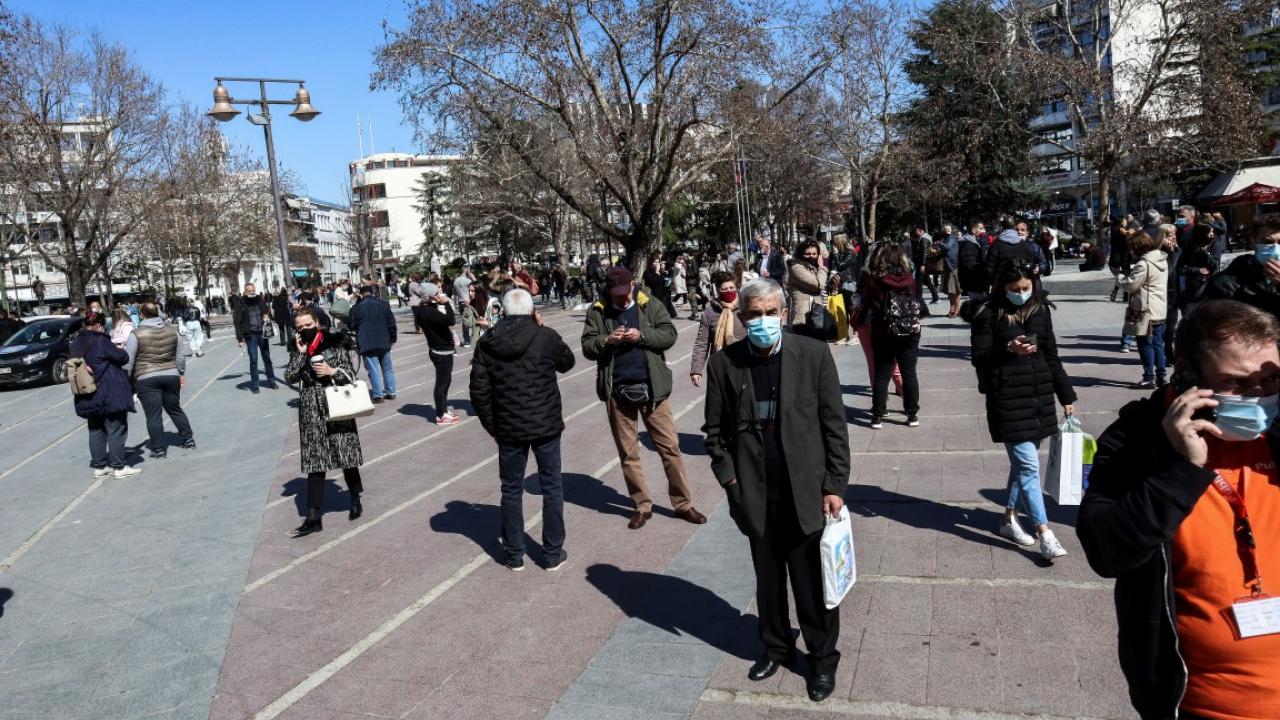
(1257, 615)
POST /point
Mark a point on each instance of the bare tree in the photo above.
(869, 90)
(362, 234)
(83, 128)
(632, 85)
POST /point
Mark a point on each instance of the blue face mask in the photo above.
(1180, 222)
(1242, 419)
(764, 332)
(1017, 298)
(1267, 252)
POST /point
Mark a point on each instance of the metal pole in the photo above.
(275, 189)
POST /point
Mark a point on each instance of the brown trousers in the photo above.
(662, 430)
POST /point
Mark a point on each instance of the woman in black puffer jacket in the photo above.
(1016, 355)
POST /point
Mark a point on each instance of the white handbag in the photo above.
(348, 402)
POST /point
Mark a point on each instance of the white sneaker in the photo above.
(1050, 548)
(1013, 531)
(102, 472)
(128, 471)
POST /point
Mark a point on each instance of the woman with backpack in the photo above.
(1016, 355)
(1147, 285)
(889, 298)
(98, 368)
(324, 445)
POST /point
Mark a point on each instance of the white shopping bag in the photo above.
(1064, 480)
(839, 569)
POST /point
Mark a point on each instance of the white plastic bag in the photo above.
(839, 569)
(1064, 480)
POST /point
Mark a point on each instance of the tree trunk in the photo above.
(107, 300)
(75, 283)
(873, 202)
(1104, 203)
(558, 233)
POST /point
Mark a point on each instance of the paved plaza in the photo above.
(178, 593)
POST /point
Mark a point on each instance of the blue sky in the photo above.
(327, 43)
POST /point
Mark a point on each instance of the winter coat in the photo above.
(436, 325)
(513, 381)
(281, 307)
(374, 325)
(805, 284)
(240, 318)
(1010, 247)
(107, 363)
(1245, 280)
(1147, 284)
(1140, 492)
(1020, 389)
(847, 264)
(1193, 285)
(707, 322)
(324, 445)
(657, 335)
(875, 293)
(971, 263)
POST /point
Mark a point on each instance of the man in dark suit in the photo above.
(782, 472)
(769, 263)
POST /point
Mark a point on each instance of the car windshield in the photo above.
(38, 332)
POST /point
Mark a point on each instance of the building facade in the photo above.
(384, 188)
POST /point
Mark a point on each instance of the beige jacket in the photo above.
(1148, 285)
(804, 285)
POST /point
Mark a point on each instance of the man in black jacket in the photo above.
(782, 473)
(375, 327)
(282, 313)
(515, 395)
(1254, 278)
(769, 263)
(251, 316)
(1165, 515)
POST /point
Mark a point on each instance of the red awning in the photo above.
(1255, 194)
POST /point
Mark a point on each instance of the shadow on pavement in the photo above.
(335, 496)
(5, 595)
(678, 607)
(1058, 514)
(479, 523)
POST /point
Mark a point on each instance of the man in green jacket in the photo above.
(626, 335)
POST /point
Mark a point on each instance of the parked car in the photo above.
(38, 352)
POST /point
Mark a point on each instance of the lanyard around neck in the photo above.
(1243, 529)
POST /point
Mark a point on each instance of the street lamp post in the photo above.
(224, 110)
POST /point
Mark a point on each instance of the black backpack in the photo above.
(191, 315)
(901, 313)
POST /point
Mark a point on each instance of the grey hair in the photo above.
(1151, 217)
(759, 289)
(1187, 208)
(517, 302)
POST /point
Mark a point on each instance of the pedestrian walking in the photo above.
(1147, 284)
(627, 338)
(1016, 356)
(415, 298)
(435, 316)
(160, 355)
(806, 281)
(949, 249)
(251, 318)
(893, 304)
(1183, 510)
(374, 326)
(778, 442)
(718, 326)
(192, 327)
(971, 269)
(322, 360)
(517, 399)
(920, 249)
(282, 314)
(122, 326)
(1013, 244)
(105, 410)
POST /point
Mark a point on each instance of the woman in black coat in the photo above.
(1016, 355)
(324, 445)
(106, 409)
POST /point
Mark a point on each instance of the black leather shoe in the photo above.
(307, 527)
(763, 669)
(820, 686)
(356, 508)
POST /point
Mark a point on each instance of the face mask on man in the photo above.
(1180, 222)
(1266, 252)
(1242, 419)
(764, 332)
(1018, 298)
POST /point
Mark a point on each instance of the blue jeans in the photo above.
(511, 464)
(379, 366)
(254, 344)
(1151, 350)
(1127, 341)
(1024, 480)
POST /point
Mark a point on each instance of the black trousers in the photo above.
(888, 350)
(444, 376)
(162, 394)
(315, 486)
(1170, 330)
(786, 552)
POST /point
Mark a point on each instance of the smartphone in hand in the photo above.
(1030, 339)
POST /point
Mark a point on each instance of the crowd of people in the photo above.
(1164, 511)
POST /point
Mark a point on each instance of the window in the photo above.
(1256, 57)
(379, 219)
(1060, 135)
(1273, 96)
(1055, 164)
(371, 192)
(1055, 106)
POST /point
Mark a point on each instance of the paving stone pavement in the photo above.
(179, 593)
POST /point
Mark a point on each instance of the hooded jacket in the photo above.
(972, 264)
(1011, 247)
(876, 293)
(513, 380)
(1147, 284)
(657, 335)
